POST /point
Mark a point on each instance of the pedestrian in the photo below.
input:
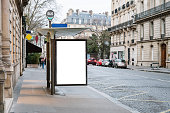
(43, 63)
(40, 61)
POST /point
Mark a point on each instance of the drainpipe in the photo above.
(158, 54)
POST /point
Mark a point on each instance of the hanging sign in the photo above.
(28, 37)
(50, 14)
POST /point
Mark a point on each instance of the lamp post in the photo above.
(50, 16)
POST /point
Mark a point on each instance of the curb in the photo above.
(155, 71)
(149, 71)
(114, 100)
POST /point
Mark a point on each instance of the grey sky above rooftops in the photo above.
(98, 6)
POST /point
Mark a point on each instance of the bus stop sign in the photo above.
(50, 14)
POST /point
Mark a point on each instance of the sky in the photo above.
(98, 6)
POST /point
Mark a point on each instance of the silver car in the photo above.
(106, 62)
(119, 63)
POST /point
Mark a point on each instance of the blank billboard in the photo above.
(71, 62)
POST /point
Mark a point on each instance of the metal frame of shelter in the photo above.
(52, 34)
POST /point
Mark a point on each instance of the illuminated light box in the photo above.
(71, 68)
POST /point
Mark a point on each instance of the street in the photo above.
(146, 92)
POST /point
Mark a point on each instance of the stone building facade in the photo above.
(10, 47)
(149, 29)
(123, 31)
(153, 26)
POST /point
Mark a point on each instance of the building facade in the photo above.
(153, 26)
(10, 47)
(87, 19)
(123, 31)
(146, 34)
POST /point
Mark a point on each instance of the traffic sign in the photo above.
(28, 37)
(59, 25)
(50, 14)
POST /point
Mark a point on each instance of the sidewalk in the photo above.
(149, 69)
(31, 96)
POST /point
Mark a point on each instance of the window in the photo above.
(151, 30)
(142, 6)
(128, 16)
(72, 20)
(119, 38)
(152, 53)
(142, 53)
(163, 27)
(77, 21)
(133, 53)
(152, 4)
(141, 32)
(124, 36)
(162, 1)
(82, 22)
(133, 34)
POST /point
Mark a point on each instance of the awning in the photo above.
(31, 48)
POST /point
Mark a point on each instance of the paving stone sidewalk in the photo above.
(31, 96)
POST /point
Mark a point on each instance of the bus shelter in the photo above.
(66, 58)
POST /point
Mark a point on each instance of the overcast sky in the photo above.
(98, 6)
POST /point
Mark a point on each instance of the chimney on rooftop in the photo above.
(77, 11)
(91, 12)
(70, 12)
(107, 14)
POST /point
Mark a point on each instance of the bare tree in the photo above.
(35, 12)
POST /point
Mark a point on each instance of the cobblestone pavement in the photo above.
(146, 92)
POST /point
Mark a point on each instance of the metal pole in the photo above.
(52, 66)
(48, 60)
(40, 41)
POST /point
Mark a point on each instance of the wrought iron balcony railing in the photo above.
(121, 26)
(153, 11)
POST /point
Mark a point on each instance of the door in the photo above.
(163, 55)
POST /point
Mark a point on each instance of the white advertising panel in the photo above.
(71, 62)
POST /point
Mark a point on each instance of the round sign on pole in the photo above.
(50, 14)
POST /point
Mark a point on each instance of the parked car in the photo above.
(107, 63)
(99, 62)
(91, 61)
(119, 63)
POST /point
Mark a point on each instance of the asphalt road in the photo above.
(146, 92)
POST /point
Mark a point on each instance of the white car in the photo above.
(106, 62)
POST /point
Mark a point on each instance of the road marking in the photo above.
(165, 111)
(145, 100)
(132, 95)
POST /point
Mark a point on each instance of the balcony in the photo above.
(121, 26)
(153, 12)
